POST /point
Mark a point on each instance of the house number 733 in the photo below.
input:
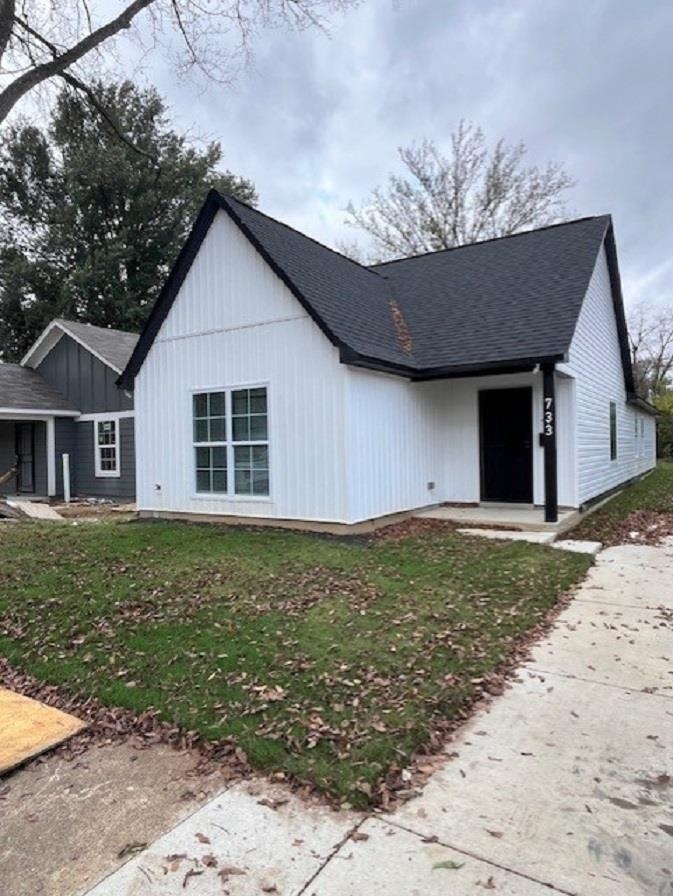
(549, 416)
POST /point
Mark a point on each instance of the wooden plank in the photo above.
(28, 728)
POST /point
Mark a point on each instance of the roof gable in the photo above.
(112, 347)
(504, 304)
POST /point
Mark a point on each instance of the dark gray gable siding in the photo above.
(123, 486)
(86, 382)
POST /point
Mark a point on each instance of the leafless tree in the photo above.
(473, 193)
(651, 339)
(45, 39)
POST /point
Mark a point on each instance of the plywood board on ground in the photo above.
(28, 728)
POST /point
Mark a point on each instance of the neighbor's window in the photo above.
(231, 434)
(106, 447)
(613, 430)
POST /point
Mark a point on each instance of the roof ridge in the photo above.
(86, 323)
(493, 239)
(227, 197)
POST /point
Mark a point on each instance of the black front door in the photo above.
(506, 434)
(25, 452)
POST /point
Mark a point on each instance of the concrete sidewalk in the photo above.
(564, 785)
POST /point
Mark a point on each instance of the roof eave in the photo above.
(455, 371)
(642, 404)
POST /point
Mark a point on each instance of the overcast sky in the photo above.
(317, 120)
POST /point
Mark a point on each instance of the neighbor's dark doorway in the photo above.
(25, 456)
(506, 444)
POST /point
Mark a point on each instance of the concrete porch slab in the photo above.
(511, 516)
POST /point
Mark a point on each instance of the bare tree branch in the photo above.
(651, 339)
(206, 29)
(471, 194)
(10, 96)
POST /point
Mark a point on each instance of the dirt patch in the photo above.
(95, 510)
(66, 822)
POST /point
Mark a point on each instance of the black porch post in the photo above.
(549, 434)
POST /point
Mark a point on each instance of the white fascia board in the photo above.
(8, 413)
(105, 415)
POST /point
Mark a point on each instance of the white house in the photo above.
(278, 380)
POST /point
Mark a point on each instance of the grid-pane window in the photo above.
(210, 441)
(250, 438)
(231, 442)
(106, 447)
(613, 431)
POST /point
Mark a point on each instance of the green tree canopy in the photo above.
(95, 209)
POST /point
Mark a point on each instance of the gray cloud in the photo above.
(316, 120)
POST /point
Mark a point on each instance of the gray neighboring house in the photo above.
(61, 399)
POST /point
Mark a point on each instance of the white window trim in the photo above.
(229, 444)
(98, 472)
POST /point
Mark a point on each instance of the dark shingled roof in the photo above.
(24, 388)
(500, 300)
(503, 304)
(115, 347)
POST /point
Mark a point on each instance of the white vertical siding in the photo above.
(394, 444)
(595, 362)
(403, 435)
(235, 323)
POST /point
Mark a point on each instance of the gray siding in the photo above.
(123, 486)
(85, 381)
(8, 455)
(65, 442)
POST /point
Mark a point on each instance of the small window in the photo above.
(210, 441)
(231, 442)
(642, 428)
(613, 430)
(106, 447)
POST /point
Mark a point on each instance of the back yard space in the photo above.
(330, 661)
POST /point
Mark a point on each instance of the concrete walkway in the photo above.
(564, 785)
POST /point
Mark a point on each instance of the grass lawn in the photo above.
(644, 508)
(327, 659)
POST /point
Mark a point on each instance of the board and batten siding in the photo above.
(86, 382)
(403, 436)
(235, 323)
(114, 487)
(595, 362)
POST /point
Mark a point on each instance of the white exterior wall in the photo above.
(595, 363)
(235, 323)
(402, 436)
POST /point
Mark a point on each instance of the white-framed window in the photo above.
(106, 447)
(231, 441)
